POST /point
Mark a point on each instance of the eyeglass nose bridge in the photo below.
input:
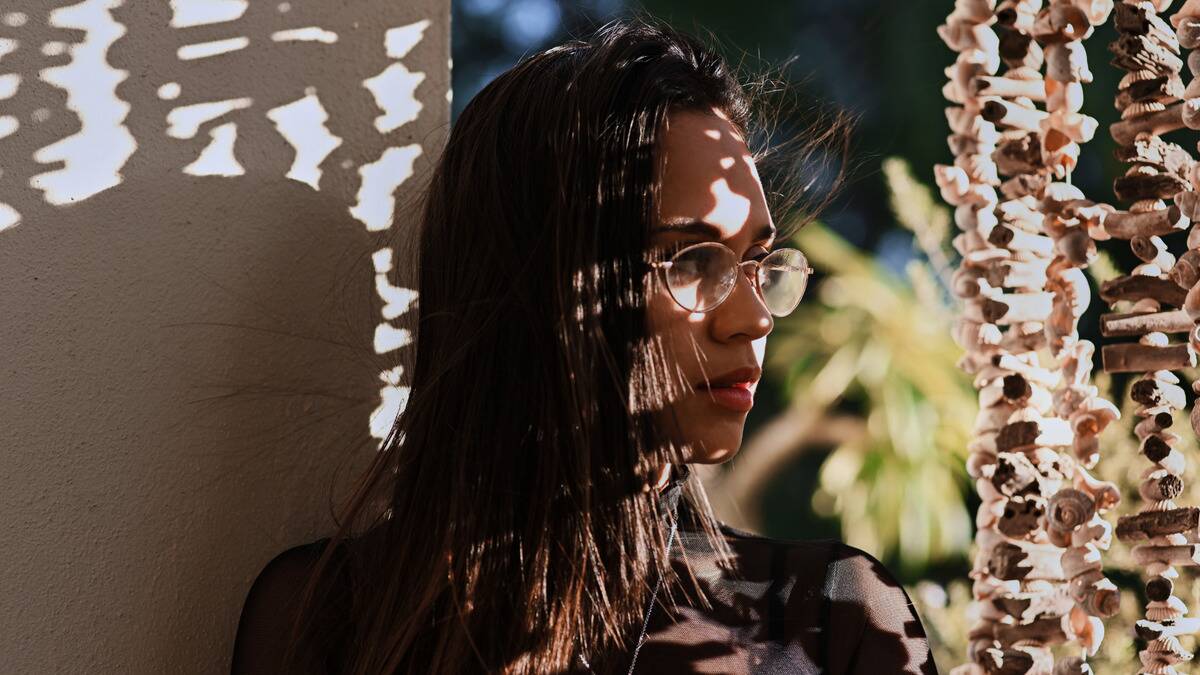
(755, 282)
(755, 266)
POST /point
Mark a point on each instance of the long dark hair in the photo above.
(506, 519)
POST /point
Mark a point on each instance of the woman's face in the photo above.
(711, 192)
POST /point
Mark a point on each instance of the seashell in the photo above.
(1189, 9)
(1097, 11)
(1069, 508)
(1136, 76)
(1140, 108)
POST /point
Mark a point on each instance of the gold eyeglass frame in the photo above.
(666, 264)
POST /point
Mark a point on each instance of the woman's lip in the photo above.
(738, 397)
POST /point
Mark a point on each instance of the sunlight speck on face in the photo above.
(730, 207)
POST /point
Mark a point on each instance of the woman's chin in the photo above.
(714, 453)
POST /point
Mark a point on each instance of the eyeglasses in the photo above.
(701, 276)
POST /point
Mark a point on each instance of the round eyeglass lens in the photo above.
(783, 276)
(701, 276)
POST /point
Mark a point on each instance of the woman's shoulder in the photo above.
(845, 566)
(272, 604)
(286, 574)
(292, 564)
(847, 572)
(794, 556)
(859, 602)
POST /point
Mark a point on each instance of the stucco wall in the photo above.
(197, 308)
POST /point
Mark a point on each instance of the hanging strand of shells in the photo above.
(1074, 517)
(1023, 292)
(1164, 298)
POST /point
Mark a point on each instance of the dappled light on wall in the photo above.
(397, 301)
(92, 158)
(302, 124)
(92, 90)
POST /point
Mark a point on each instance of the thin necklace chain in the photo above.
(649, 610)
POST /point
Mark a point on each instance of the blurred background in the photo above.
(860, 425)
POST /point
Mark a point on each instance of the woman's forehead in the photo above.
(709, 174)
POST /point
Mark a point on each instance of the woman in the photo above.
(597, 283)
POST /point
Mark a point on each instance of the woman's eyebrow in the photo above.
(709, 230)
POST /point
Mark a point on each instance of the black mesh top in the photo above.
(791, 607)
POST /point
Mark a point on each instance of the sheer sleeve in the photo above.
(269, 610)
(871, 610)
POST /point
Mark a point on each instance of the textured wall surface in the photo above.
(201, 322)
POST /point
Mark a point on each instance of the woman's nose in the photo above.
(744, 312)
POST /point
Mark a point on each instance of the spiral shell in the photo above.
(1070, 508)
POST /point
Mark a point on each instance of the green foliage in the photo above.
(879, 346)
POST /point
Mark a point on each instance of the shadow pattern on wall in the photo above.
(69, 97)
(202, 210)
